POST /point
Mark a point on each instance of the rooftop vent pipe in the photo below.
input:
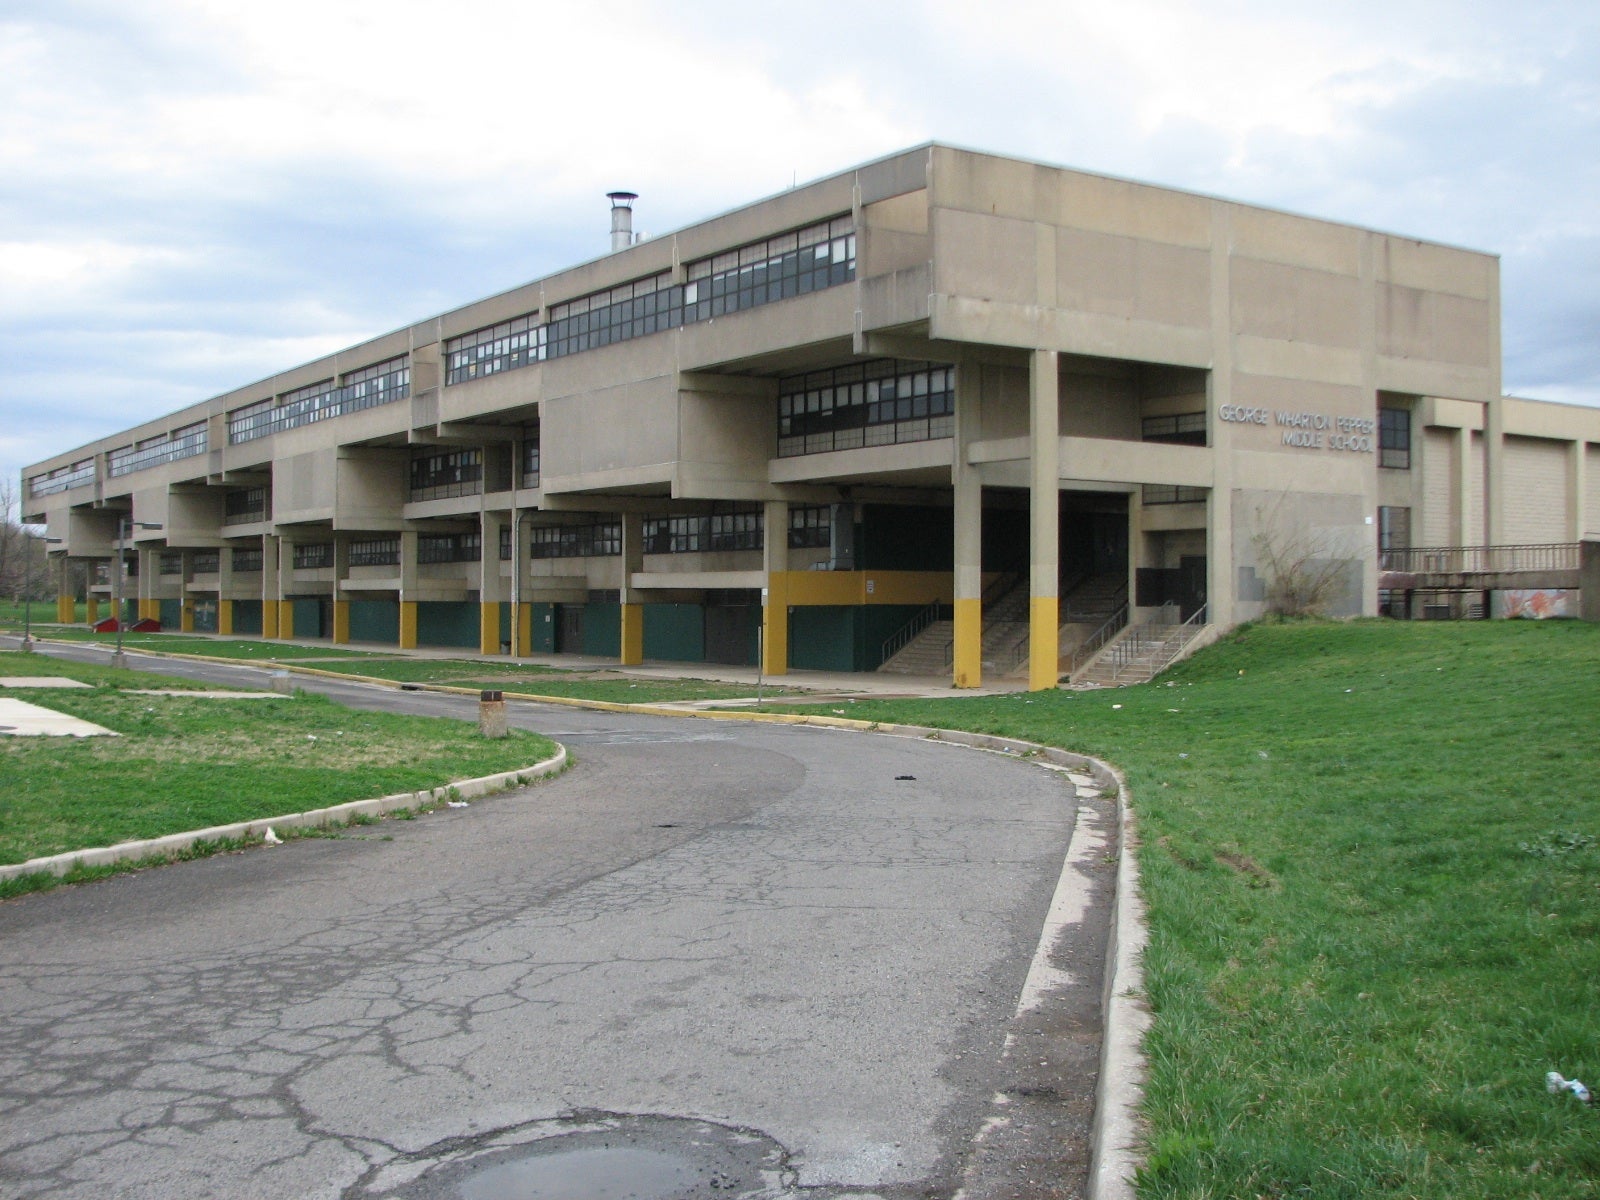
(621, 219)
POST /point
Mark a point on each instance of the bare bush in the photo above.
(1304, 568)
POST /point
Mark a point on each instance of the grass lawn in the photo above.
(185, 764)
(177, 643)
(1369, 854)
(14, 612)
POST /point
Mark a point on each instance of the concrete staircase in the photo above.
(924, 654)
(1139, 653)
(1085, 606)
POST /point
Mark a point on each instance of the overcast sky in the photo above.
(198, 193)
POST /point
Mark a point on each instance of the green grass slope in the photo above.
(1369, 855)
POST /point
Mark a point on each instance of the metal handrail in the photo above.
(1482, 560)
(1000, 586)
(1091, 645)
(901, 638)
(1174, 645)
(1158, 643)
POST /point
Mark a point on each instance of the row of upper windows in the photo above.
(164, 448)
(62, 478)
(380, 383)
(791, 264)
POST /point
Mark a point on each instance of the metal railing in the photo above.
(997, 590)
(1481, 560)
(901, 638)
(1115, 624)
(1154, 646)
(1185, 634)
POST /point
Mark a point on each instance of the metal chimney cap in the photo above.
(622, 199)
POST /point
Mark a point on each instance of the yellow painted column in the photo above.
(775, 618)
(1044, 522)
(632, 611)
(489, 628)
(66, 609)
(408, 624)
(225, 616)
(775, 595)
(341, 622)
(525, 628)
(632, 634)
(269, 618)
(186, 615)
(286, 619)
(968, 647)
(967, 486)
(150, 609)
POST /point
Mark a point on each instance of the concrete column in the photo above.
(1044, 521)
(1221, 572)
(408, 589)
(491, 584)
(1589, 579)
(149, 604)
(224, 588)
(967, 486)
(1575, 489)
(341, 600)
(185, 596)
(66, 609)
(632, 609)
(271, 552)
(1494, 472)
(775, 602)
(66, 603)
(1461, 519)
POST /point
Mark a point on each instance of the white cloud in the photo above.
(198, 192)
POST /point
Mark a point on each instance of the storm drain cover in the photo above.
(611, 1158)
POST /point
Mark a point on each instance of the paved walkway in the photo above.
(825, 684)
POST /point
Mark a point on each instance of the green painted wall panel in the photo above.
(447, 623)
(172, 615)
(675, 632)
(602, 630)
(375, 621)
(542, 635)
(205, 616)
(247, 616)
(822, 637)
(308, 617)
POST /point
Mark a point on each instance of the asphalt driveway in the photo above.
(711, 959)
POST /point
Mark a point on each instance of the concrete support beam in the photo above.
(1044, 521)
(1589, 579)
(271, 589)
(408, 589)
(341, 573)
(775, 595)
(632, 617)
(1220, 576)
(492, 586)
(967, 484)
(1577, 488)
(66, 604)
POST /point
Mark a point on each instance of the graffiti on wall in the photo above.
(1536, 603)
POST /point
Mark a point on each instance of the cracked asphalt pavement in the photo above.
(755, 929)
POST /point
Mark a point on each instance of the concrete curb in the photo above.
(176, 843)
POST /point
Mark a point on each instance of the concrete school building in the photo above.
(942, 398)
